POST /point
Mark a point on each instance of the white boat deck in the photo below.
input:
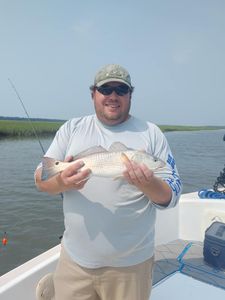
(188, 221)
(180, 286)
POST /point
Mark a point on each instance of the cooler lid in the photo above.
(216, 231)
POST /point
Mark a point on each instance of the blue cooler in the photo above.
(214, 245)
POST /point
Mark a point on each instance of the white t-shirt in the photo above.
(110, 222)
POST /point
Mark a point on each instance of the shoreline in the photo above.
(11, 128)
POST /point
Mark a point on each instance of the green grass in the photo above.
(188, 128)
(22, 128)
(17, 128)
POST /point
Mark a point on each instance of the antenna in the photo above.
(24, 108)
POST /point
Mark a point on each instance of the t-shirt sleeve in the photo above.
(58, 147)
(169, 173)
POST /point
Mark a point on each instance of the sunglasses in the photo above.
(107, 90)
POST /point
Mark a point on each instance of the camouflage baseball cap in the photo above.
(110, 73)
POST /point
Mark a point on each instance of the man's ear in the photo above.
(130, 96)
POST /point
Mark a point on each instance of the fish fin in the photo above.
(89, 151)
(118, 177)
(118, 147)
(115, 147)
(49, 167)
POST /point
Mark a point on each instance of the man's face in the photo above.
(112, 109)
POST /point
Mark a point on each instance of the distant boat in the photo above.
(180, 270)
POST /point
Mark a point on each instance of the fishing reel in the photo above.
(219, 185)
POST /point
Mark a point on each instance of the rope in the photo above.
(210, 194)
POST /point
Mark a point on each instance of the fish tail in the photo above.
(49, 167)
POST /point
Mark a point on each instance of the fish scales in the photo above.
(103, 163)
(106, 164)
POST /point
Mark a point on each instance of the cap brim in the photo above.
(100, 83)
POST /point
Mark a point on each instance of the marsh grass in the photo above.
(188, 128)
(15, 128)
(23, 128)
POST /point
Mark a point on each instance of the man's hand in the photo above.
(144, 179)
(72, 177)
(138, 174)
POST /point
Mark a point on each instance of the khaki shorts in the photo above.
(73, 282)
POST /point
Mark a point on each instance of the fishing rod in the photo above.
(28, 117)
(4, 240)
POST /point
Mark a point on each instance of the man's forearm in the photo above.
(144, 179)
(157, 190)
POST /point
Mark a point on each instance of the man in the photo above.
(108, 243)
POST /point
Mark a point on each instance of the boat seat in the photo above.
(45, 288)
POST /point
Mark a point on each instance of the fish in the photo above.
(102, 162)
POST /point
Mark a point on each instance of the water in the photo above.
(33, 220)
(200, 157)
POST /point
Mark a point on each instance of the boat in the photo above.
(180, 272)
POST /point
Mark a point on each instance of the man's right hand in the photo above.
(70, 178)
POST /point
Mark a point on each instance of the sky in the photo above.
(174, 51)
